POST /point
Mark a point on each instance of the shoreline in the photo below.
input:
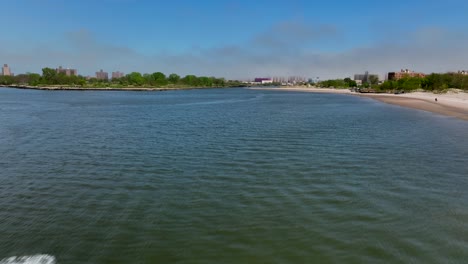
(453, 104)
(136, 89)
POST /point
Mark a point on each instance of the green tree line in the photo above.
(437, 82)
(135, 79)
(338, 83)
(434, 82)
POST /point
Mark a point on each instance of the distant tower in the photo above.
(6, 70)
(366, 77)
(102, 75)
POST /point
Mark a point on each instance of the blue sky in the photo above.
(235, 38)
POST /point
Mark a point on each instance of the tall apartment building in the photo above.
(102, 75)
(365, 78)
(67, 72)
(117, 74)
(6, 70)
(395, 76)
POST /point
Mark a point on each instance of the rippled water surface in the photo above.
(229, 176)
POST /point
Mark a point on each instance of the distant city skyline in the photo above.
(236, 39)
(359, 77)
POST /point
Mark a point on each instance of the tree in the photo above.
(6, 80)
(388, 86)
(135, 78)
(34, 78)
(409, 83)
(174, 78)
(148, 78)
(219, 82)
(349, 82)
(190, 80)
(374, 80)
(49, 75)
(27, 78)
(159, 78)
(205, 81)
(337, 83)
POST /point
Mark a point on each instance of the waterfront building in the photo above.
(117, 75)
(365, 78)
(6, 70)
(289, 80)
(67, 72)
(395, 76)
(279, 80)
(102, 75)
(263, 80)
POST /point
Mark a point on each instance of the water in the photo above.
(228, 176)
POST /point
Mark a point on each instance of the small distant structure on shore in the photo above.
(6, 70)
(117, 75)
(291, 80)
(296, 79)
(263, 80)
(67, 71)
(102, 75)
(280, 80)
(395, 76)
(365, 78)
(463, 72)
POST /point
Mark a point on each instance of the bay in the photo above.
(229, 176)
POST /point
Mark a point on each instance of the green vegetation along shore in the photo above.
(435, 82)
(51, 80)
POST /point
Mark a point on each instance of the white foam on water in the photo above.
(35, 259)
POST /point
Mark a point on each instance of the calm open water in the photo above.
(229, 176)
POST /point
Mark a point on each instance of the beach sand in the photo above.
(454, 104)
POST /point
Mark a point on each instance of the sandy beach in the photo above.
(454, 104)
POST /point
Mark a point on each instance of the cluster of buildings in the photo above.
(67, 71)
(291, 80)
(395, 76)
(100, 75)
(391, 76)
(365, 78)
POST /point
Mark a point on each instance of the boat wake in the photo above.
(35, 259)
